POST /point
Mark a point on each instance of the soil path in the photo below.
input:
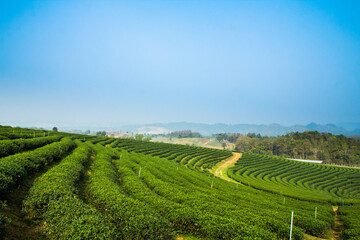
(335, 233)
(339, 226)
(82, 184)
(205, 143)
(222, 167)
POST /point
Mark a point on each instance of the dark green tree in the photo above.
(139, 136)
(224, 145)
(101, 133)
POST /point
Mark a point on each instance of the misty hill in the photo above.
(263, 129)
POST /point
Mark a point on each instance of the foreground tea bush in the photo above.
(134, 219)
(8, 147)
(53, 199)
(15, 167)
(350, 216)
(68, 217)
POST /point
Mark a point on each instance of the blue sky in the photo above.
(109, 62)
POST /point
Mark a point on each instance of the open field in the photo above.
(68, 186)
(200, 142)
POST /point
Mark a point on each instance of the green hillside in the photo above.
(308, 181)
(68, 186)
(331, 149)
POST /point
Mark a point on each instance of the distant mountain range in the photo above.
(346, 128)
(263, 129)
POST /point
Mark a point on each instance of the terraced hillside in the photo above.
(191, 156)
(84, 187)
(301, 180)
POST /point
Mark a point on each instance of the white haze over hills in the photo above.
(265, 130)
(347, 129)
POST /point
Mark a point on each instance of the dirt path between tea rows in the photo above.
(338, 228)
(220, 169)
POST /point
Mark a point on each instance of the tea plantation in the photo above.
(67, 186)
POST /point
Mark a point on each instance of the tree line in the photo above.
(336, 149)
(184, 134)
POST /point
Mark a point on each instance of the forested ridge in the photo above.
(332, 149)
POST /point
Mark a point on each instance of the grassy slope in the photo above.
(201, 142)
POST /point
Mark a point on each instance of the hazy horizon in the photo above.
(63, 125)
(141, 62)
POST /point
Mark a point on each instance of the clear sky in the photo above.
(105, 62)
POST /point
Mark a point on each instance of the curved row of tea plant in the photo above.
(15, 167)
(102, 191)
(350, 216)
(185, 219)
(9, 147)
(133, 219)
(106, 142)
(191, 156)
(169, 187)
(7, 132)
(297, 179)
(53, 200)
